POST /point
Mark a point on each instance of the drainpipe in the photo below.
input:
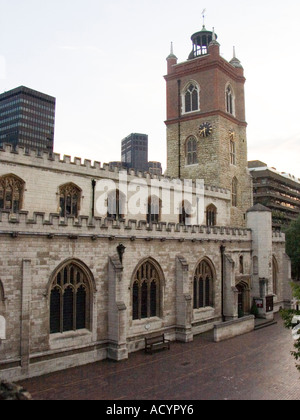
(179, 129)
(93, 197)
(222, 249)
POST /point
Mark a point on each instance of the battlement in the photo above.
(86, 167)
(53, 225)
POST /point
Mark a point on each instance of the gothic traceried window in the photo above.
(203, 286)
(154, 210)
(11, 193)
(191, 98)
(69, 300)
(69, 200)
(116, 205)
(146, 292)
(191, 151)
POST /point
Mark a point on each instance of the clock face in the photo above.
(205, 129)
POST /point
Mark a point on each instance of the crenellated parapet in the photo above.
(53, 225)
(85, 167)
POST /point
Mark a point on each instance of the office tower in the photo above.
(27, 119)
(135, 151)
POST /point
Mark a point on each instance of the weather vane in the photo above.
(203, 15)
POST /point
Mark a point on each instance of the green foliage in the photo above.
(287, 316)
(254, 310)
(293, 247)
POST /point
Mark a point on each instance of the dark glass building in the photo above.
(27, 119)
(135, 152)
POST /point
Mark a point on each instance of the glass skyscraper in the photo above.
(27, 119)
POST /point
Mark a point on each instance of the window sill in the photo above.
(192, 165)
(70, 339)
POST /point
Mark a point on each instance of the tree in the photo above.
(287, 316)
(293, 247)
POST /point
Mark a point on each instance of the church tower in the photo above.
(206, 126)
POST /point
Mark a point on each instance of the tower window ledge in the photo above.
(192, 165)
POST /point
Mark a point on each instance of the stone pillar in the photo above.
(117, 312)
(259, 220)
(230, 293)
(25, 316)
(183, 302)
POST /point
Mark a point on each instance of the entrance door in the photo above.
(241, 307)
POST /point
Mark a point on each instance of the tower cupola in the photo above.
(201, 41)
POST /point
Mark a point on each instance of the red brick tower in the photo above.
(206, 127)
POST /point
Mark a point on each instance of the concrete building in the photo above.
(93, 259)
(27, 119)
(278, 191)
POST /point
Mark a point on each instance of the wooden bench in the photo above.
(156, 343)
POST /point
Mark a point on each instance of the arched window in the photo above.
(229, 100)
(191, 98)
(69, 300)
(191, 151)
(234, 192)
(146, 291)
(275, 275)
(11, 193)
(232, 152)
(154, 210)
(241, 261)
(185, 213)
(69, 200)
(211, 215)
(203, 286)
(116, 205)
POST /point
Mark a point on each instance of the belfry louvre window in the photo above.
(191, 151)
(69, 200)
(191, 98)
(203, 283)
(69, 301)
(11, 193)
(146, 292)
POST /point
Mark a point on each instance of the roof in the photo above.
(259, 208)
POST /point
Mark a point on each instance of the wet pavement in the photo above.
(255, 366)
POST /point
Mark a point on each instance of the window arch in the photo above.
(11, 193)
(203, 285)
(70, 298)
(275, 275)
(146, 290)
(211, 215)
(234, 192)
(116, 201)
(191, 97)
(154, 209)
(230, 105)
(69, 200)
(191, 151)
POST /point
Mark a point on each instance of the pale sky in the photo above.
(104, 62)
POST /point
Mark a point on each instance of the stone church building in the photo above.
(84, 276)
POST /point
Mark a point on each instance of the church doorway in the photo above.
(243, 299)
